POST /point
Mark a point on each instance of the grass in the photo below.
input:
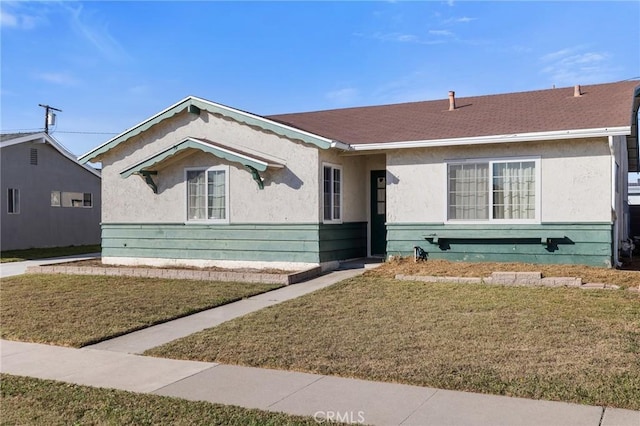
(43, 253)
(45, 402)
(544, 343)
(77, 310)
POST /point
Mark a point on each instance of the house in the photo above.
(634, 209)
(48, 198)
(537, 176)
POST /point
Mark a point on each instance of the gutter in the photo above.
(510, 138)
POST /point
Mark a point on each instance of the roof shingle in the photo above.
(600, 106)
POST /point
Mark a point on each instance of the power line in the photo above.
(58, 131)
(87, 133)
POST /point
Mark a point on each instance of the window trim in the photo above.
(333, 167)
(490, 161)
(14, 207)
(222, 167)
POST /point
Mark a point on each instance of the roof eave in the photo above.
(493, 139)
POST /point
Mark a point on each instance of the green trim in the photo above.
(309, 243)
(237, 115)
(581, 243)
(190, 143)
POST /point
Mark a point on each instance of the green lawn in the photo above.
(546, 343)
(77, 310)
(28, 401)
(44, 253)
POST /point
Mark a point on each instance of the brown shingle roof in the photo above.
(600, 106)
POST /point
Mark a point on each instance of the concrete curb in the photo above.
(532, 279)
(179, 274)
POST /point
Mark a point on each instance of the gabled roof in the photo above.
(600, 106)
(195, 105)
(601, 110)
(9, 139)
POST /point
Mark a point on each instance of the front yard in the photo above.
(562, 344)
(77, 310)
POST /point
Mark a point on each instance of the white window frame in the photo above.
(490, 162)
(333, 167)
(206, 171)
(14, 207)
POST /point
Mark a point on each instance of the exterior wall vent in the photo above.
(33, 159)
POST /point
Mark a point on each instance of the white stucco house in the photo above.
(536, 176)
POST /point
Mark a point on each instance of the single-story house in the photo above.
(537, 176)
(48, 198)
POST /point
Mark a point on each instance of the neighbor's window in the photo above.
(55, 199)
(332, 191)
(208, 194)
(13, 201)
(76, 199)
(492, 190)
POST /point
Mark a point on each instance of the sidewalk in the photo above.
(115, 364)
(296, 393)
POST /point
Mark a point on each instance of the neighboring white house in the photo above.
(48, 198)
(536, 176)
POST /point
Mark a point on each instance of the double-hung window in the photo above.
(208, 194)
(332, 193)
(494, 190)
(13, 201)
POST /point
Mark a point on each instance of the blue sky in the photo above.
(111, 65)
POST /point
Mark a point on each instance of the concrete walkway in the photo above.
(115, 364)
(139, 341)
(11, 269)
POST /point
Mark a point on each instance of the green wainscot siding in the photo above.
(586, 244)
(308, 243)
(343, 241)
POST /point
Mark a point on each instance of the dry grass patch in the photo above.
(77, 310)
(438, 267)
(546, 343)
(28, 401)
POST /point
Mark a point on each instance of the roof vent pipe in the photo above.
(452, 100)
(577, 92)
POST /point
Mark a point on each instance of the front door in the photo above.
(378, 212)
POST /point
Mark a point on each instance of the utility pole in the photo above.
(47, 109)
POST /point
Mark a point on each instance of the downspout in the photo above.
(614, 210)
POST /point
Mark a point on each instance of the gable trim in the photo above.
(195, 105)
(226, 153)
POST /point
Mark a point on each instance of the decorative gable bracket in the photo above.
(256, 176)
(146, 175)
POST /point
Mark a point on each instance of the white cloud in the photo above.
(347, 95)
(445, 33)
(18, 21)
(96, 33)
(575, 66)
(59, 78)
